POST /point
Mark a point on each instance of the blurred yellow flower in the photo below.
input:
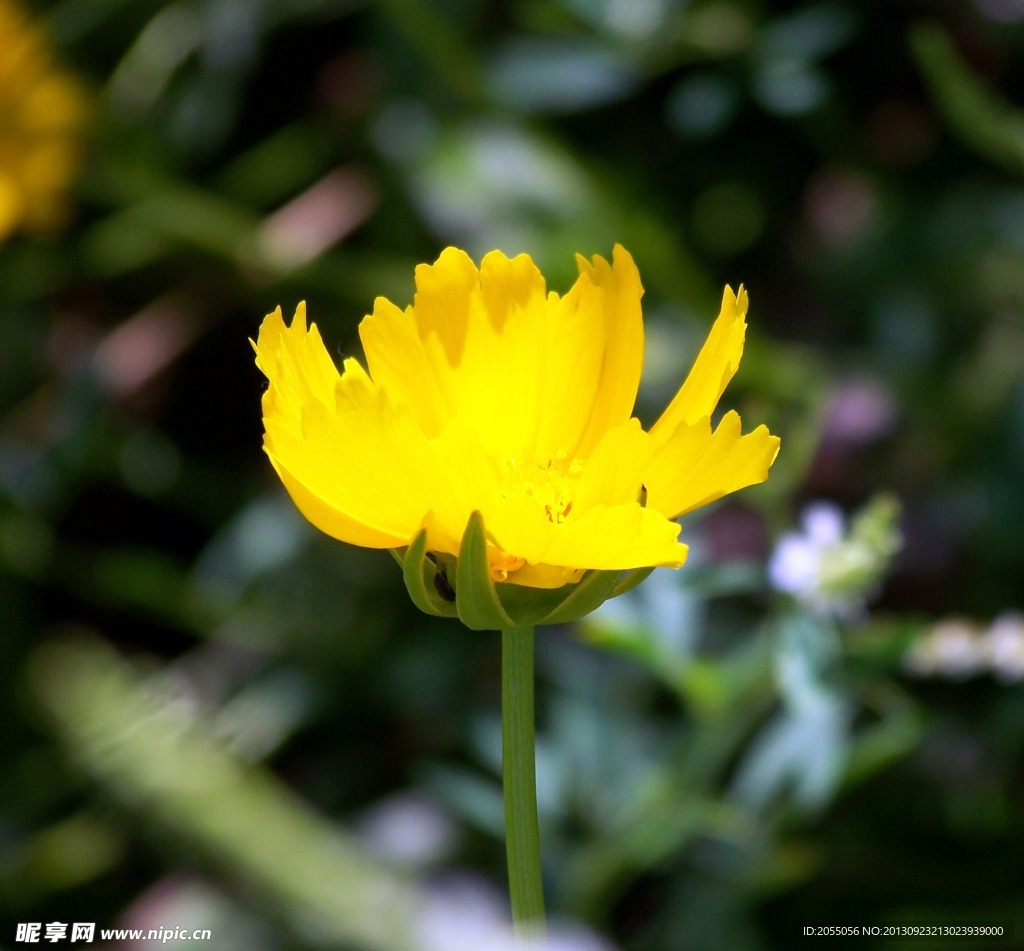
(491, 394)
(42, 112)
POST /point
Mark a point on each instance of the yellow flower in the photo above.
(42, 111)
(490, 394)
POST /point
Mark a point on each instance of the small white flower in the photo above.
(465, 914)
(959, 649)
(1004, 645)
(795, 565)
(408, 830)
(824, 523)
(833, 567)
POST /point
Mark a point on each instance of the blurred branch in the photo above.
(984, 121)
(439, 44)
(155, 217)
(152, 754)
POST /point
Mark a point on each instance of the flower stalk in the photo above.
(522, 837)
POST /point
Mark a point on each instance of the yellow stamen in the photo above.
(549, 480)
(502, 563)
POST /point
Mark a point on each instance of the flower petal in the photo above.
(614, 472)
(714, 367)
(296, 363)
(353, 460)
(468, 481)
(695, 466)
(621, 536)
(526, 370)
(398, 361)
(614, 304)
(329, 518)
(470, 349)
(545, 576)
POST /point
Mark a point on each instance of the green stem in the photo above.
(522, 839)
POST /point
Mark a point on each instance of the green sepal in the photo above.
(477, 601)
(462, 587)
(588, 594)
(531, 606)
(630, 579)
(420, 573)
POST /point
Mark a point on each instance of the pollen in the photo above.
(501, 563)
(548, 480)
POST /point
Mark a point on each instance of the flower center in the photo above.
(550, 480)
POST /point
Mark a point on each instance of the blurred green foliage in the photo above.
(719, 765)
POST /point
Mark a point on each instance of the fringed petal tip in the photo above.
(716, 364)
(696, 465)
(734, 303)
(274, 333)
(621, 274)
